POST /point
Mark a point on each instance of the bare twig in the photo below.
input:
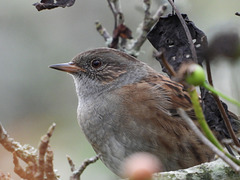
(160, 11)
(221, 108)
(226, 121)
(26, 153)
(41, 158)
(7, 142)
(229, 145)
(114, 13)
(87, 162)
(147, 4)
(70, 162)
(43, 145)
(165, 62)
(103, 32)
(5, 176)
(17, 168)
(189, 121)
(133, 46)
(49, 164)
(77, 172)
(188, 34)
(116, 10)
(37, 167)
(236, 149)
(146, 25)
(120, 32)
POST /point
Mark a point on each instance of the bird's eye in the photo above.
(96, 63)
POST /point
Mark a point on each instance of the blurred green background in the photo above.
(32, 96)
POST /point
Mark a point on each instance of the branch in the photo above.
(17, 168)
(214, 170)
(104, 33)
(123, 32)
(5, 176)
(206, 141)
(49, 164)
(165, 63)
(26, 153)
(116, 10)
(42, 149)
(76, 173)
(146, 25)
(37, 167)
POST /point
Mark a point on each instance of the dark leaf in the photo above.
(169, 36)
(49, 4)
(213, 115)
(121, 31)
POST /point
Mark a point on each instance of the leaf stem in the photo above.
(210, 88)
(201, 119)
(204, 126)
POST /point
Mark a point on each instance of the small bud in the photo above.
(195, 75)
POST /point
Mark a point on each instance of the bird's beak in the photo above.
(67, 67)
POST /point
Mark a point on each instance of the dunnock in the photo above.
(125, 107)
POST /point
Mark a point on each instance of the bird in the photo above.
(125, 107)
